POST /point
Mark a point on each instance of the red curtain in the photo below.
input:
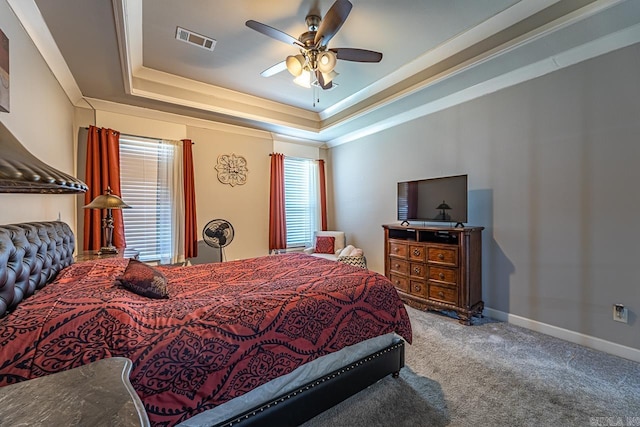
(277, 218)
(323, 194)
(190, 221)
(103, 170)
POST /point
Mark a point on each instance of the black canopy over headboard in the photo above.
(31, 255)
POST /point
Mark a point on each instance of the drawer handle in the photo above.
(441, 276)
(416, 252)
(440, 256)
(397, 282)
(417, 288)
(441, 294)
(416, 270)
(395, 249)
(397, 265)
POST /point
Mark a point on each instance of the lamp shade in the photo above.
(326, 61)
(107, 201)
(304, 79)
(295, 64)
(328, 77)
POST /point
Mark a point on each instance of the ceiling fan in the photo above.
(315, 63)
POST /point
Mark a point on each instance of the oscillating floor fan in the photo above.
(218, 233)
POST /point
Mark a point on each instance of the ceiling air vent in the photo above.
(195, 39)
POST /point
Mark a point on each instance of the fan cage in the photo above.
(218, 233)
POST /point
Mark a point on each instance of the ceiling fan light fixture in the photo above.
(314, 65)
(304, 79)
(328, 77)
(326, 61)
(295, 64)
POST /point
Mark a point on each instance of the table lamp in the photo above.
(107, 201)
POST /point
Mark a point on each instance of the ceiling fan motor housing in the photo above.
(313, 22)
(308, 39)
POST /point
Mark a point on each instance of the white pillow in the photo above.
(347, 250)
(356, 252)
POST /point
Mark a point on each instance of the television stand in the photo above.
(436, 268)
(459, 224)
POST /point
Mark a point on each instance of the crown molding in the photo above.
(432, 82)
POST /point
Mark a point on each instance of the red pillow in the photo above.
(325, 244)
(144, 280)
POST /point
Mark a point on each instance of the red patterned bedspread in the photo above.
(226, 329)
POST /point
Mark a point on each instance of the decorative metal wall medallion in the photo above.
(232, 169)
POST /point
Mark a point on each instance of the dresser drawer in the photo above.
(417, 253)
(418, 288)
(401, 283)
(398, 250)
(443, 293)
(398, 266)
(417, 269)
(443, 274)
(443, 255)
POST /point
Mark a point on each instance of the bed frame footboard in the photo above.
(309, 400)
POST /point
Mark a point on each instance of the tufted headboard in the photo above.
(31, 255)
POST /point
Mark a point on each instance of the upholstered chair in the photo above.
(338, 244)
(339, 251)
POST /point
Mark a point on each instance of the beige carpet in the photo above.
(494, 374)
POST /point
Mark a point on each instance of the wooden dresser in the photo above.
(436, 268)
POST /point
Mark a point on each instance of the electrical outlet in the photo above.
(620, 313)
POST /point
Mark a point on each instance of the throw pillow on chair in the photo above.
(356, 261)
(325, 244)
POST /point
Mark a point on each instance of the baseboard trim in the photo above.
(566, 334)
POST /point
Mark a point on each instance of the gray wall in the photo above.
(40, 117)
(553, 176)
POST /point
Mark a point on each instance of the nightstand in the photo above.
(122, 253)
(97, 394)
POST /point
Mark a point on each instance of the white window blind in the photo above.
(145, 175)
(403, 202)
(301, 200)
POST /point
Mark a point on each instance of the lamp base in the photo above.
(108, 250)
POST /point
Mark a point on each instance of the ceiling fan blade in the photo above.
(357, 55)
(333, 20)
(274, 69)
(273, 33)
(321, 82)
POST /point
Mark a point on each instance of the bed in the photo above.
(272, 340)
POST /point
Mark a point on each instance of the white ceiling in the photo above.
(241, 53)
(436, 53)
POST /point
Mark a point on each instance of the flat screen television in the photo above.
(441, 199)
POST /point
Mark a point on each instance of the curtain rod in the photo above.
(297, 158)
(139, 136)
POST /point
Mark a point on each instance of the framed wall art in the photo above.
(232, 169)
(4, 72)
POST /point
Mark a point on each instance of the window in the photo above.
(301, 200)
(146, 174)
